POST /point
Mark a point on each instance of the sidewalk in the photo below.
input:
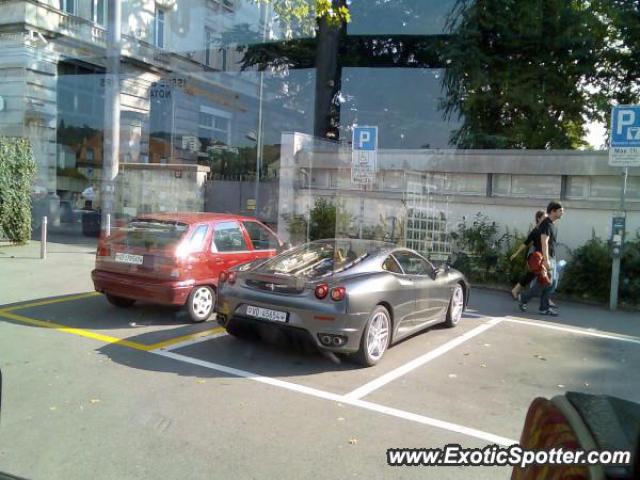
(66, 270)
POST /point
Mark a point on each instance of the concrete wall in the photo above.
(143, 188)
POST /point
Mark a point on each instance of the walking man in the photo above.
(545, 243)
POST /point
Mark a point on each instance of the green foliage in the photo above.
(303, 15)
(326, 220)
(588, 275)
(478, 248)
(17, 169)
(630, 267)
(516, 72)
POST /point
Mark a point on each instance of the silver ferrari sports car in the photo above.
(344, 295)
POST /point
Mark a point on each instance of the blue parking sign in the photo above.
(365, 138)
(624, 148)
(625, 126)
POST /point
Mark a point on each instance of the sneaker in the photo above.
(552, 305)
(522, 305)
(549, 312)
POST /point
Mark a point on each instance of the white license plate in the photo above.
(129, 258)
(266, 314)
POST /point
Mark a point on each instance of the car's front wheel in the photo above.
(120, 302)
(456, 306)
(375, 337)
(200, 304)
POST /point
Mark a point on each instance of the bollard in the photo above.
(107, 227)
(43, 239)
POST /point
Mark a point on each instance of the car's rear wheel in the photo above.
(120, 302)
(200, 304)
(375, 337)
(456, 306)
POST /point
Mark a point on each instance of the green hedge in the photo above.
(482, 254)
(17, 169)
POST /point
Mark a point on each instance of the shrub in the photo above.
(17, 169)
(588, 274)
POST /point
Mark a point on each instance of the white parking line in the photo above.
(576, 330)
(379, 382)
(314, 392)
(590, 332)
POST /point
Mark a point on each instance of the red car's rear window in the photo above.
(150, 233)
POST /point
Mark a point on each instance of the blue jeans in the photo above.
(544, 292)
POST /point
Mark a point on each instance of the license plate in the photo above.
(129, 258)
(266, 314)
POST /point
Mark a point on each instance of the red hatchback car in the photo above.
(176, 258)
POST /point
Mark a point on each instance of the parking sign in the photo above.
(364, 154)
(624, 149)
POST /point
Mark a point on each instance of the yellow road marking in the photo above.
(76, 331)
(107, 338)
(173, 341)
(50, 301)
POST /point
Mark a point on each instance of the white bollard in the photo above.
(43, 239)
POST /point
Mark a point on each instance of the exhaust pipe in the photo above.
(326, 339)
(337, 341)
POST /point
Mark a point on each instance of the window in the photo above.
(68, 6)
(412, 264)
(391, 265)
(197, 238)
(228, 237)
(577, 187)
(261, 238)
(99, 12)
(533, 186)
(466, 183)
(215, 55)
(159, 24)
(214, 125)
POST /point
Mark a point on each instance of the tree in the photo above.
(17, 170)
(518, 72)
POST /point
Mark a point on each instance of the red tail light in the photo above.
(223, 277)
(338, 293)
(322, 290)
(103, 250)
(231, 277)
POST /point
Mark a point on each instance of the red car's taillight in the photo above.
(103, 250)
(338, 293)
(322, 290)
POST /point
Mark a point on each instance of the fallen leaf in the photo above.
(560, 385)
(353, 441)
(466, 354)
(341, 419)
(540, 357)
(487, 344)
(53, 408)
(453, 375)
(94, 401)
(483, 365)
(202, 381)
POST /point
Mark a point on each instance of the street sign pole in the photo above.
(624, 151)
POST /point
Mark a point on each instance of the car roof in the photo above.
(192, 217)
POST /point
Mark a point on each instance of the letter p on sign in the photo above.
(364, 138)
(625, 118)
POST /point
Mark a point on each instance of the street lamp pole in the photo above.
(259, 137)
(110, 162)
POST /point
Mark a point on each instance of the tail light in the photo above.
(338, 293)
(231, 277)
(322, 290)
(223, 277)
(103, 250)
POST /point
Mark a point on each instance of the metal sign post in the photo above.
(624, 151)
(364, 160)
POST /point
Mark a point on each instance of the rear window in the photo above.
(151, 234)
(318, 259)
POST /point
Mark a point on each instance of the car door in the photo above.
(427, 307)
(264, 242)
(402, 296)
(229, 247)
